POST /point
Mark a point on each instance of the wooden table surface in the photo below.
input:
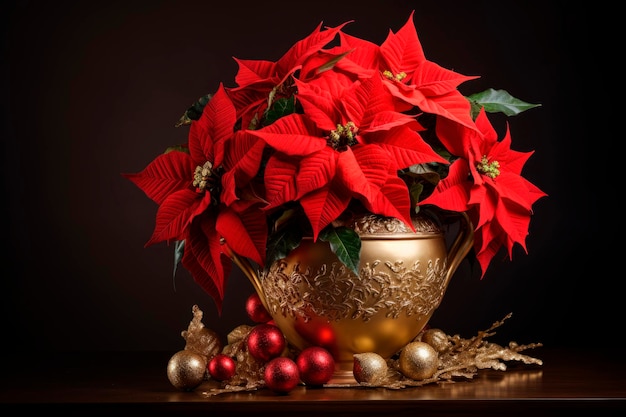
(106, 383)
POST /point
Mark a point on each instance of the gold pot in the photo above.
(316, 300)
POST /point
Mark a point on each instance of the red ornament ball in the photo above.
(222, 367)
(281, 375)
(256, 310)
(316, 365)
(265, 342)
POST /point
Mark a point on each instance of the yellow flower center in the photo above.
(343, 137)
(397, 77)
(205, 179)
(490, 169)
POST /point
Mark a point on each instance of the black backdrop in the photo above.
(93, 89)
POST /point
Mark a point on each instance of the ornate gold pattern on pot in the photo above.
(316, 300)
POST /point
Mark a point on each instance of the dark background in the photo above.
(92, 89)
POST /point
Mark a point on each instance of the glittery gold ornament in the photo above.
(186, 370)
(238, 334)
(369, 367)
(200, 339)
(418, 360)
(437, 338)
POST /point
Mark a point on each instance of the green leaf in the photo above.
(194, 112)
(498, 101)
(415, 191)
(280, 108)
(181, 148)
(431, 172)
(421, 179)
(345, 243)
(281, 242)
(331, 63)
(284, 218)
(179, 250)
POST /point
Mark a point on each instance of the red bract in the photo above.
(260, 82)
(409, 76)
(187, 187)
(349, 144)
(486, 181)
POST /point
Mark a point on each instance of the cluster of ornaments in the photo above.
(418, 360)
(205, 357)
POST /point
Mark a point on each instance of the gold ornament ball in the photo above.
(369, 367)
(437, 338)
(186, 370)
(418, 360)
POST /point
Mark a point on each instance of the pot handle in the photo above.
(461, 245)
(248, 270)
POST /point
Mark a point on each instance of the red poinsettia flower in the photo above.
(409, 76)
(349, 144)
(486, 182)
(261, 82)
(187, 188)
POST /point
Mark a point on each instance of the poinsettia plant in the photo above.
(337, 125)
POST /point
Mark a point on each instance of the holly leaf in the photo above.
(345, 243)
(498, 101)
